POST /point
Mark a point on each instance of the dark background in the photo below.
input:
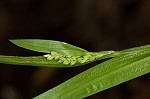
(95, 25)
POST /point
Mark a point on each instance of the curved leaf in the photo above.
(46, 46)
(42, 61)
(101, 77)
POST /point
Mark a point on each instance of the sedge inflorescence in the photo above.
(70, 59)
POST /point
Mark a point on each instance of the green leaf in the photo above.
(31, 61)
(46, 46)
(103, 76)
(62, 52)
(133, 50)
(43, 61)
(34, 61)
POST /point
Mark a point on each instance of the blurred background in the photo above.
(94, 25)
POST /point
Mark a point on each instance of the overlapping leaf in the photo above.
(102, 76)
(126, 65)
(36, 61)
(46, 46)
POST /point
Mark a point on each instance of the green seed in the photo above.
(60, 61)
(57, 57)
(73, 62)
(50, 57)
(86, 58)
(74, 58)
(62, 58)
(66, 62)
(80, 59)
(92, 58)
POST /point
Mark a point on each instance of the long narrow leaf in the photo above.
(102, 76)
(39, 61)
(46, 46)
(133, 50)
(31, 61)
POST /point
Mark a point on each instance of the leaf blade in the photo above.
(46, 46)
(101, 77)
(39, 61)
(31, 61)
